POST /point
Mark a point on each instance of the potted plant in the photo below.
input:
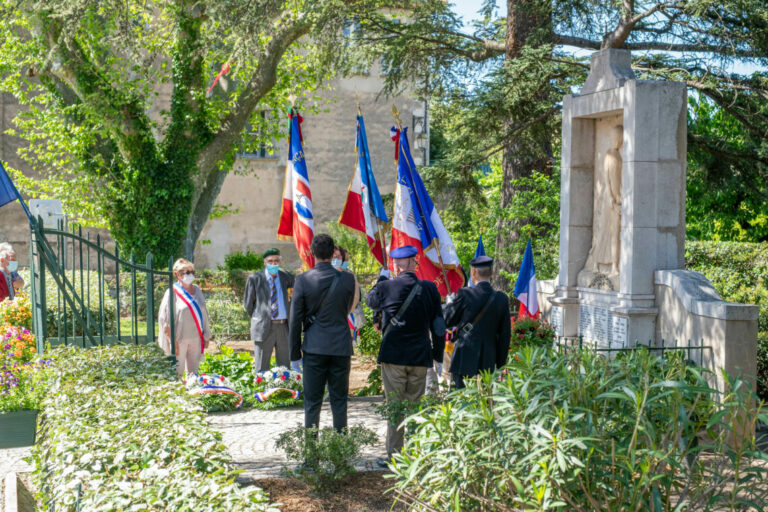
(22, 387)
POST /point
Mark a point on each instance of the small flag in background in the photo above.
(525, 288)
(296, 219)
(479, 251)
(364, 210)
(8, 192)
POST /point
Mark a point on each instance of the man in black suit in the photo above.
(406, 348)
(482, 341)
(268, 302)
(320, 308)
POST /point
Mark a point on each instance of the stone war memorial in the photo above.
(622, 278)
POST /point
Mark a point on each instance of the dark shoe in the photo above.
(382, 462)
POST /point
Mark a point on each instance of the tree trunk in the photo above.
(528, 152)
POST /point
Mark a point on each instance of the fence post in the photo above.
(150, 303)
(172, 310)
(117, 288)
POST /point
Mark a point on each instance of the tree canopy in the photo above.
(117, 117)
(500, 81)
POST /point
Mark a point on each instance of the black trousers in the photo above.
(320, 370)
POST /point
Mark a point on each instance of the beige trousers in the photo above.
(401, 383)
(188, 356)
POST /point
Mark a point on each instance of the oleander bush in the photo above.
(325, 456)
(578, 431)
(739, 272)
(120, 433)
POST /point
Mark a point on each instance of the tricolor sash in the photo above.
(197, 313)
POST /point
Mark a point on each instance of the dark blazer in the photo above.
(258, 292)
(329, 335)
(409, 344)
(487, 346)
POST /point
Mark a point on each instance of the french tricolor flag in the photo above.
(364, 210)
(525, 287)
(296, 219)
(416, 222)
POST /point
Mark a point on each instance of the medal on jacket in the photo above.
(197, 314)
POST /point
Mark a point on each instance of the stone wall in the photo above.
(692, 313)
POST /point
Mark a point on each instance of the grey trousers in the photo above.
(401, 383)
(277, 339)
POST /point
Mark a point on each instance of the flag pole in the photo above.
(436, 241)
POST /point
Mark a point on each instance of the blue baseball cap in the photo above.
(406, 251)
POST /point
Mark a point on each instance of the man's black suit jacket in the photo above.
(329, 335)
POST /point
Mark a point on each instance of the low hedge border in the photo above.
(119, 432)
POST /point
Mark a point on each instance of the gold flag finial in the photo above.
(396, 115)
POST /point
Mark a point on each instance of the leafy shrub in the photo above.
(326, 455)
(375, 386)
(577, 430)
(120, 433)
(370, 338)
(229, 320)
(243, 261)
(739, 273)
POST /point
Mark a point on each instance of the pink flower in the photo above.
(282, 377)
(259, 380)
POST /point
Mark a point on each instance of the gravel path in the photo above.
(250, 435)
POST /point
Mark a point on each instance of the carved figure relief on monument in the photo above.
(601, 269)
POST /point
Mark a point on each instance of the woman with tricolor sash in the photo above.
(191, 327)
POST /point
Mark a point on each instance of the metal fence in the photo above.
(701, 355)
(82, 293)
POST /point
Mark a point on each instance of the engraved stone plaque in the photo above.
(557, 320)
(597, 325)
(619, 332)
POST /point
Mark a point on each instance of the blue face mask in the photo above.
(336, 262)
(272, 269)
(13, 266)
(345, 265)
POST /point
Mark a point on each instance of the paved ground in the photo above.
(250, 435)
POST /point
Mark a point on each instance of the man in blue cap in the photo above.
(410, 311)
(481, 316)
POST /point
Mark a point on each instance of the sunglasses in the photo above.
(187, 272)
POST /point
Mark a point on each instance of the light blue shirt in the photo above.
(281, 312)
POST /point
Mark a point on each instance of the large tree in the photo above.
(504, 77)
(117, 118)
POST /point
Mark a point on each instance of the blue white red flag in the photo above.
(479, 251)
(416, 222)
(296, 219)
(364, 210)
(525, 287)
(8, 192)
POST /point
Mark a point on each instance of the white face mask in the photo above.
(336, 262)
(188, 279)
(13, 266)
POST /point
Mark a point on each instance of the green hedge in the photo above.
(739, 272)
(119, 432)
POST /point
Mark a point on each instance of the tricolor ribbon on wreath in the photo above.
(197, 313)
(263, 396)
(206, 384)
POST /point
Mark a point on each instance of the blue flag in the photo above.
(366, 174)
(480, 250)
(8, 192)
(408, 176)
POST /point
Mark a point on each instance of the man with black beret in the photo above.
(268, 302)
(481, 316)
(410, 310)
